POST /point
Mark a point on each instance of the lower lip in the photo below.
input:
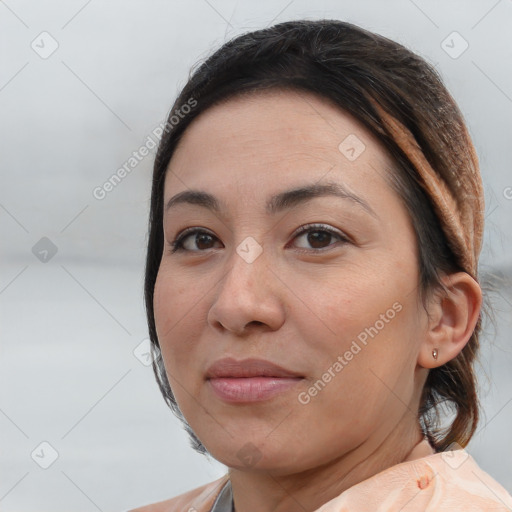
(251, 389)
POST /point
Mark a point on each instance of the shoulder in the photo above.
(466, 482)
(442, 482)
(200, 499)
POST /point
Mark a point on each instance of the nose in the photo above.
(248, 297)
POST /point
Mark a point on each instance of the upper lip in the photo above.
(229, 367)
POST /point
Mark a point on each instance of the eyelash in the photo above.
(177, 244)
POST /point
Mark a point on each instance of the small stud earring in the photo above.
(434, 353)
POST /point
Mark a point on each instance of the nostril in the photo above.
(249, 326)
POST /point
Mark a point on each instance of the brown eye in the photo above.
(193, 240)
(318, 237)
(203, 240)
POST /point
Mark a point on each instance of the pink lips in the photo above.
(249, 380)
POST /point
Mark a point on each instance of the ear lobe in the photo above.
(453, 314)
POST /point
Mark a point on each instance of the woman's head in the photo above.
(298, 106)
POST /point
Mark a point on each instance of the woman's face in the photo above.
(335, 306)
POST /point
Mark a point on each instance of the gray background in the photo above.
(70, 321)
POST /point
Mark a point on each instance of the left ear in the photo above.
(453, 314)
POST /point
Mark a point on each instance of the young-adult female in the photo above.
(312, 277)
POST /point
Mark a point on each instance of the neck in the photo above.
(310, 489)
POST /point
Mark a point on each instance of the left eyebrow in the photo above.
(293, 197)
(282, 201)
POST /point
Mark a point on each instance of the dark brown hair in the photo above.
(349, 66)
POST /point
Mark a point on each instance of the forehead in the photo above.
(273, 138)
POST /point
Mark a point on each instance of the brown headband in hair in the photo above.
(459, 203)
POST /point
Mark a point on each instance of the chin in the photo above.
(276, 456)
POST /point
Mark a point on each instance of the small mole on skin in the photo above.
(423, 482)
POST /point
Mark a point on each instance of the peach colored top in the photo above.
(449, 481)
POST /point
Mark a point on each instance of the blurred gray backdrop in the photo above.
(82, 85)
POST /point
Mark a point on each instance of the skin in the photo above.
(301, 303)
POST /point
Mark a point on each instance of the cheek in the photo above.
(176, 311)
(364, 385)
(373, 328)
(172, 310)
(347, 303)
(163, 306)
